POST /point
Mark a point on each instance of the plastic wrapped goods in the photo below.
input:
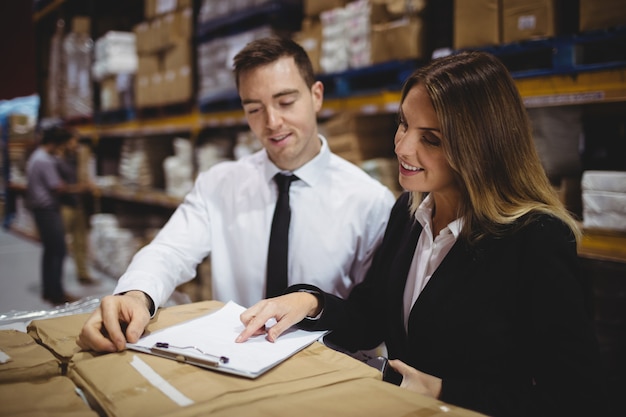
(178, 169)
(78, 57)
(604, 200)
(134, 169)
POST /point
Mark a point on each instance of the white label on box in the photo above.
(164, 6)
(526, 22)
(4, 358)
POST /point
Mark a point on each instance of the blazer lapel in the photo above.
(454, 268)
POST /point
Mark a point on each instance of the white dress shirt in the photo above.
(429, 253)
(338, 217)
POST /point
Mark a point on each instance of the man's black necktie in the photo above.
(279, 239)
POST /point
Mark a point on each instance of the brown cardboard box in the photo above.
(184, 23)
(398, 40)
(142, 87)
(59, 334)
(177, 56)
(177, 85)
(476, 23)
(81, 24)
(527, 19)
(174, 27)
(358, 137)
(396, 9)
(315, 7)
(142, 37)
(361, 397)
(154, 8)
(55, 397)
(133, 395)
(109, 96)
(148, 64)
(28, 360)
(601, 14)
(310, 38)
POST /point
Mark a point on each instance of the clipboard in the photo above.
(209, 342)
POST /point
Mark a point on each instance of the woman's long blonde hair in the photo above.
(487, 140)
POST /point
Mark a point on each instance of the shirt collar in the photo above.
(424, 212)
(311, 172)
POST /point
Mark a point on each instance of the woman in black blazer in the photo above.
(476, 289)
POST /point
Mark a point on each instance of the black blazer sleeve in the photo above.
(361, 321)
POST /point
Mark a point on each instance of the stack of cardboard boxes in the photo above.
(491, 22)
(340, 34)
(47, 365)
(164, 46)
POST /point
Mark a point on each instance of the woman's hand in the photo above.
(417, 381)
(287, 310)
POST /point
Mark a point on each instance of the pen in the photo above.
(162, 348)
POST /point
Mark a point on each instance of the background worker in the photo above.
(45, 187)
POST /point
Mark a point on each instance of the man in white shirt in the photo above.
(338, 218)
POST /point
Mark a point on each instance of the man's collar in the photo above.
(311, 172)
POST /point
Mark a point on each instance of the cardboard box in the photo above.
(148, 64)
(109, 96)
(395, 9)
(310, 38)
(179, 55)
(27, 361)
(81, 24)
(358, 137)
(477, 23)
(361, 397)
(55, 397)
(316, 381)
(142, 87)
(527, 19)
(59, 334)
(398, 40)
(601, 14)
(154, 8)
(177, 85)
(133, 395)
(174, 27)
(142, 38)
(315, 7)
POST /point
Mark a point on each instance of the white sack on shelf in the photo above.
(604, 199)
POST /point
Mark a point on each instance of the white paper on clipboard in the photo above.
(215, 334)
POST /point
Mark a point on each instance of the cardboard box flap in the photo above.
(27, 360)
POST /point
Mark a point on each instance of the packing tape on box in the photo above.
(161, 384)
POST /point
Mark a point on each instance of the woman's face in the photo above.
(423, 166)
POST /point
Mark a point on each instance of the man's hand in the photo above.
(102, 331)
(417, 381)
(287, 310)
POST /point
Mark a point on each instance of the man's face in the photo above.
(282, 112)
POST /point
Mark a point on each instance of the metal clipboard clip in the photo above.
(212, 361)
